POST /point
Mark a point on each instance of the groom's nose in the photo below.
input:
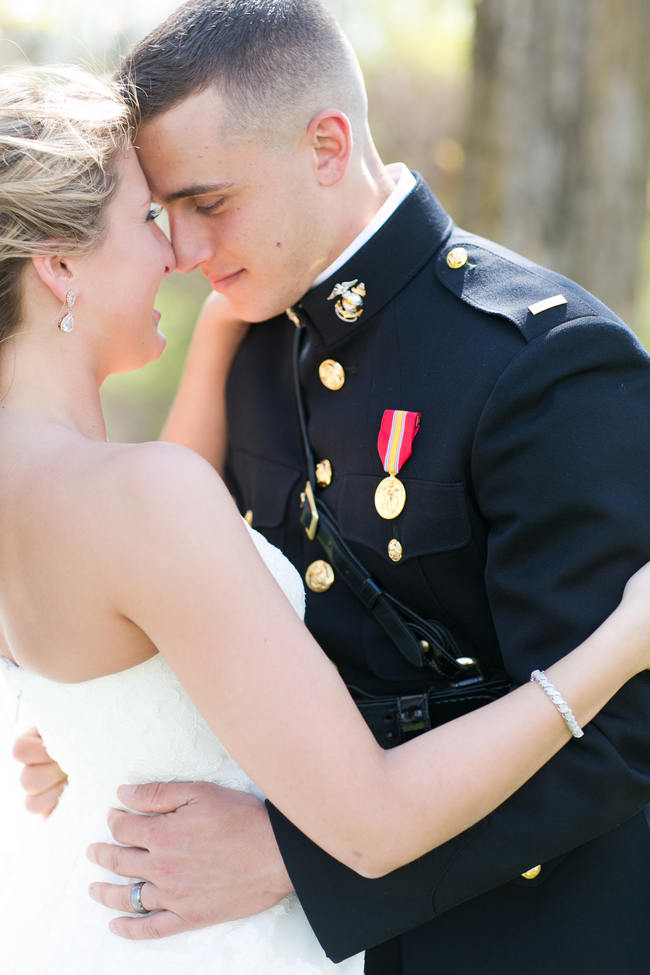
(191, 246)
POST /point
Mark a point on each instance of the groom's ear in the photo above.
(55, 273)
(330, 138)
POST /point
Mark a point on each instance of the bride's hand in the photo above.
(227, 330)
(42, 779)
(197, 418)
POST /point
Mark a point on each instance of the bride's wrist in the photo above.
(628, 632)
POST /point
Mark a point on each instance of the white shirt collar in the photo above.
(404, 182)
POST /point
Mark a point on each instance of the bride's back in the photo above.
(61, 501)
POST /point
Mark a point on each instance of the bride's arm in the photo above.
(195, 584)
(197, 418)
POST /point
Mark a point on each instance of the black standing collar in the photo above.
(385, 264)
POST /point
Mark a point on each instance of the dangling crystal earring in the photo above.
(67, 322)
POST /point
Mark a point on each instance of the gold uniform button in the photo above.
(319, 576)
(323, 473)
(248, 517)
(332, 374)
(532, 873)
(395, 550)
(457, 257)
(293, 317)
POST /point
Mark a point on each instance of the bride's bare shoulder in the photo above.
(171, 519)
(151, 478)
(139, 462)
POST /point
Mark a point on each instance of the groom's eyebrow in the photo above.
(198, 189)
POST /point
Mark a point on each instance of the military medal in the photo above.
(395, 442)
(390, 497)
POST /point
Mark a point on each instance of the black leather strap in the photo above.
(406, 629)
(423, 643)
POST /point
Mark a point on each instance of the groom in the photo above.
(525, 506)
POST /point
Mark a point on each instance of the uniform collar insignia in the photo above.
(393, 255)
(349, 307)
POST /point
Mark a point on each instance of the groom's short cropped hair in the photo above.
(276, 63)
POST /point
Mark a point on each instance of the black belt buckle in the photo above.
(413, 714)
(308, 514)
(469, 672)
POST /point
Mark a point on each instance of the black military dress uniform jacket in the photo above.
(528, 506)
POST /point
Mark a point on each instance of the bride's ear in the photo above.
(55, 273)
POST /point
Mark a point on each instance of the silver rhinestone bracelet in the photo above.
(539, 677)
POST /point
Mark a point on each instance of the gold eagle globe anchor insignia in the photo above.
(349, 307)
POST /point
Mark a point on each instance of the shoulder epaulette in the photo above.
(495, 280)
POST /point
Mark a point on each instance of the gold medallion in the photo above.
(390, 497)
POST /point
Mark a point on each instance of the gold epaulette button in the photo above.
(457, 258)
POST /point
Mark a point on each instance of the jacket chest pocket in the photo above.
(263, 490)
(434, 518)
(405, 555)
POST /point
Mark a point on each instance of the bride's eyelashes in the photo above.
(154, 211)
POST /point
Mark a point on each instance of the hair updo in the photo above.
(61, 132)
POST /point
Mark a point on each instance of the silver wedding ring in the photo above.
(136, 898)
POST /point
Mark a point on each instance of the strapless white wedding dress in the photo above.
(130, 727)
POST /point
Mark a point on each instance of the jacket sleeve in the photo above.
(561, 473)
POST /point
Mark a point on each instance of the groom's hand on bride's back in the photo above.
(42, 779)
(207, 855)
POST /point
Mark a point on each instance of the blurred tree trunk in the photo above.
(559, 137)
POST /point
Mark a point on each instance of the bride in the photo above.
(144, 622)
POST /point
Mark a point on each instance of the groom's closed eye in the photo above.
(210, 206)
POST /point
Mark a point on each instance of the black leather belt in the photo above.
(394, 720)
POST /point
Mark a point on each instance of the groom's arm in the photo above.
(566, 488)
(561, 472)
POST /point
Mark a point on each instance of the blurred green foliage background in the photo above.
(417, 57)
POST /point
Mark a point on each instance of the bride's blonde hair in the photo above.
(61, 133)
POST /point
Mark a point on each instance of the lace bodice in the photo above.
(135, 726)
(140, 713)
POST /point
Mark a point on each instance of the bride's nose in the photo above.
(170, 257)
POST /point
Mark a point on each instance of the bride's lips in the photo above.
(156, 316)
(225, 281)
